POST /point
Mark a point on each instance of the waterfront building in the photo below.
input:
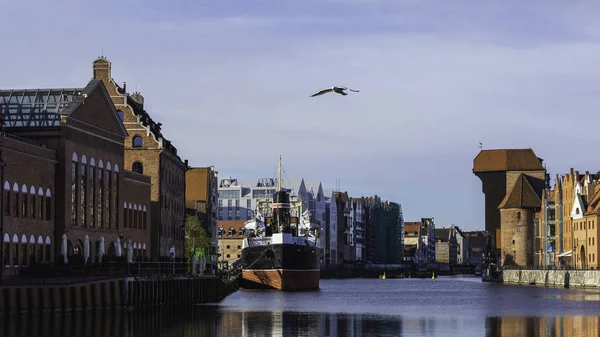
(330, 229)
(446, 246)
(585, 216)
(412, 241)
(64, 175)
(344, 220)
(476, 243)
(427, 243)
(201, 200)
(231, 234)
(545, 248)
(388, 230)
(148, 152)
(461, 255)
(359, 232)
(512, 181)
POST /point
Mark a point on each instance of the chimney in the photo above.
(572, 171)
(102, 69)
(138, 98)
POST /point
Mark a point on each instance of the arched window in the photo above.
(83, 196)
(137, 141)
(74, 192)
(518, 215)
(137, 167)
(32, 200)
(116, 193)
(48, 205)
(92, 191)
(121, 115)
(100, 198)
(23, 199)
(6, 198)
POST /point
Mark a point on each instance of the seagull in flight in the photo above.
(339, 90)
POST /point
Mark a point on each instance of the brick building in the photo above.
(201, 200)
(148, 152)
(231, 235)
(512, 181)
(76, 171)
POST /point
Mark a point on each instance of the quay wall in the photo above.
(553, 278)
(113, 294)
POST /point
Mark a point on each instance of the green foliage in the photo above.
(197, 240)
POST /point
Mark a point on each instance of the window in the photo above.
(121, 115)
(92, 182)
(137, 141)
(137, 167)
(6, 199)
(74, 193)
(116, 193)
(108, 199)
(48, 205)
(82, 191)
(518, 215)
(23, 201)
(100, 199)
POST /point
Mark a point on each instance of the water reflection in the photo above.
(213, 321)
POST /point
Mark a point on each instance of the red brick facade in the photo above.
(74, 184)
(148, 152)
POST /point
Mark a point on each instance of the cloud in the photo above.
(230, 83)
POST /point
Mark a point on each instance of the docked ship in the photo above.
(281, 249)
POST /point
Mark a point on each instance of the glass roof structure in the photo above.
(35, 107)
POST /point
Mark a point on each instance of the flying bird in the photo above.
(339, 90)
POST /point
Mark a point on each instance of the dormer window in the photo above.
(577, 211)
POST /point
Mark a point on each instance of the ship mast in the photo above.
(279, 175)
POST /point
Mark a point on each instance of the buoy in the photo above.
(432, 275)
(382, 277)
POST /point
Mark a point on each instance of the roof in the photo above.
(41, 107)
(411, 227)
(507, 160)
(522, 195)
(442, 234)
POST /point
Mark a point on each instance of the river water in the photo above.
(446, 306)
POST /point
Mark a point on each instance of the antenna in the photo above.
(279, 175)
(480, 145)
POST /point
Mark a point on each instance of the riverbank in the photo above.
(122, 293)
(553, 278)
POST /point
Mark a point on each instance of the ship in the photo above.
(281, 246)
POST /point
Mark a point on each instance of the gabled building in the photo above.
(427, 244)
(330, 240)
(65, 179)
(359, 229)
(344, 223)
(446, 246)
(461, 246)
(499, 171)
(412, 243)
(148, 152)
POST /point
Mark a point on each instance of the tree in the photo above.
(197, 241)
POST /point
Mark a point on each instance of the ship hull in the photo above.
(281, 267)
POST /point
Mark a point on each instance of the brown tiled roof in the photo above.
(226, 224)
(522, 195)
(411, 227)
(594, 205)
(507, 160)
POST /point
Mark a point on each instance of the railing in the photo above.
(20, 139)
(550, 267)
(58, 274)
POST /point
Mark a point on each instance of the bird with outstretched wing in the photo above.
(339, 90)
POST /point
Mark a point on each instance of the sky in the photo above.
(230, 82)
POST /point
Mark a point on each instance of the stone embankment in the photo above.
(553, 278)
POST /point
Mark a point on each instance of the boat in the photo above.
(281, 248)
